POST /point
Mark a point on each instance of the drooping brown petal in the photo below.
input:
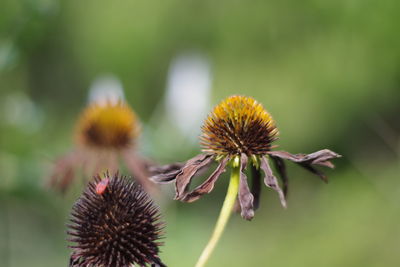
(245, 197)
(165, 174)
(281, 168)
(323, 156)
(256, 186)
(326, 164)
(271, 181)
(320, 158)
(184, 177)
(166, 168)
(208, 184)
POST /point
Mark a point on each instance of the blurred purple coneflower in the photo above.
(105, 133)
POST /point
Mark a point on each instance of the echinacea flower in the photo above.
(105, 133)
(114, 224)
(239, 130)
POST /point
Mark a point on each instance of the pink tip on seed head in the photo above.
(101, 186)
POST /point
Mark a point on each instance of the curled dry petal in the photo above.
(165, 174)
(208, 184)
(245, 197)
(281, 168)
(271, 181)
(320, 158)
(184, 177)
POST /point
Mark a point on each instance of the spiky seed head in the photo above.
(238, 125)
(107, 126)
(114, 223)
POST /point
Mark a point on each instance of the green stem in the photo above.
(224, 215)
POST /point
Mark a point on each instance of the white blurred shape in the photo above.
(8, 54)
(188, 91)
(106, 89)
(19, 110)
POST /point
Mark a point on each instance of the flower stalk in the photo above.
(224, 215)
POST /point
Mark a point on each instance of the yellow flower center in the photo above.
(237, 125)
(110, 126)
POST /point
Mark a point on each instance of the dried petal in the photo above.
(326, 164)
(165, 173)
(271, 181)
(185, 176)
(245, 197)
(208, 184)
(165, 178)
(281, 168)
(320, 158)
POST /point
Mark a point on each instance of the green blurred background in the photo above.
(328, 71)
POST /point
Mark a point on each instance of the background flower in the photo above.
(105, 132)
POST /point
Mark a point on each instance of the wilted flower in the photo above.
(105, 132)
(114, 224)
(239, 130)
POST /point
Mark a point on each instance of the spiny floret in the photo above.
(238, 125)
(116, 226)
(110, 125)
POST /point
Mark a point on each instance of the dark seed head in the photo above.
(114, 223)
